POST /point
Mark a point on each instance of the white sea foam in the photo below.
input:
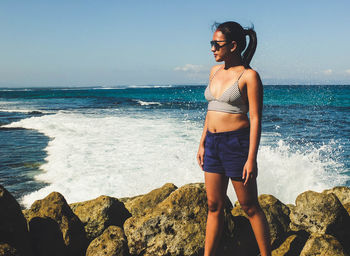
(147, 103)
(90, 155)
(26, 111)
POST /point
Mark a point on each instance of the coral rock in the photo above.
(141, 204)
(100, 213)
(112, 242)
(176, 226)
(13, 226)
(54, 228)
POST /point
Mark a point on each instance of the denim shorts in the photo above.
(226, 152)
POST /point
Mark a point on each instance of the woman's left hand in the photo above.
(250, 171)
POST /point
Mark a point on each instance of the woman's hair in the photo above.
(235, 32)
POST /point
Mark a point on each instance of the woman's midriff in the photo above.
(224, 122)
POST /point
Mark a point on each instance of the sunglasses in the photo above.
(217, 46)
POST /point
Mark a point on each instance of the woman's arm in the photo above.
(200, 154)
(255, 99)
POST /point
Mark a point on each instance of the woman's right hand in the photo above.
(200, 156)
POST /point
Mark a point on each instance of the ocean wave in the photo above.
(27, 111)
(147, 103)
(118, 155)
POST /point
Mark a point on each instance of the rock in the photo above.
(54, 228)
(322, 245)
(347, 207)
(321, 213)
(277, 215)
(176, 226)
(141, 204)
(112, 242)
(13, 226)
(100, 213)
(8, 250)
(292, 245)
(343, 194)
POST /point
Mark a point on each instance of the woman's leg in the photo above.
(248, 198)
(216, 187)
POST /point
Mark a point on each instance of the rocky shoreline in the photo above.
(170, 221)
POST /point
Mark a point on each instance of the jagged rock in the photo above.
(292, 245)
(141, 204)
(321, 213)
(54, 228)
(176, 226)
(343, 194)
(8, 250)
(13, 226)
(347, 207)
(277, 215)
(112, 242)
(99, 213)
(323, 245)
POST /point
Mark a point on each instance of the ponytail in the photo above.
(249, 52)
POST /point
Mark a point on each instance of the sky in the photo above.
(160, 42)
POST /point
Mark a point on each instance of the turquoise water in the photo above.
(116, 140)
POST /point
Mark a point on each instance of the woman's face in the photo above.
(221, 50)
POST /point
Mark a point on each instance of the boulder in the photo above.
(277, 215)
(176, 226)
(112, 242)
(100, 213)
(8, 250)
(347, 207)
(54, 228)
(343, 194)
(321, 213)
(13, 226)
(292, 245)
(141, 204)
(323, 245)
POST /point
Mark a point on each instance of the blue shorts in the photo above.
(226, 152)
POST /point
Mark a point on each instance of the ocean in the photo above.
(126, 141)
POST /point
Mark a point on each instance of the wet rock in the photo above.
(176, 226)
(277, 215)
(321, 213)
(112, 242)
(100, 213)
(322, 245)
(54, 228)
(13, 226)
(141, 204)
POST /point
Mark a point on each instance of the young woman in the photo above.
(229, 144)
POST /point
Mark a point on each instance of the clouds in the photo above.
(192, 68)
(331, 72)
(328, 71)
(195, 73)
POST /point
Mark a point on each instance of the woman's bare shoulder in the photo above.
(252, 77)
(214, 69)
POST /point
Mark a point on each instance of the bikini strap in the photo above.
(240, 75)
(215, 73)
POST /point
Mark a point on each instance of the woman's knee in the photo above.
(251, 208)
(215, 205)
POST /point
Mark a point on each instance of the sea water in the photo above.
(126, 141)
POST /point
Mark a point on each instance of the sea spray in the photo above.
(120, 155)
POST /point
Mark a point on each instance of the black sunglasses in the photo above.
(217, 46)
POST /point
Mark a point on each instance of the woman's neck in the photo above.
(233, 62)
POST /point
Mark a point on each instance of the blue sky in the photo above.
(111, 43)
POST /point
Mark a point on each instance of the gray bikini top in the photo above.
(230, 101)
